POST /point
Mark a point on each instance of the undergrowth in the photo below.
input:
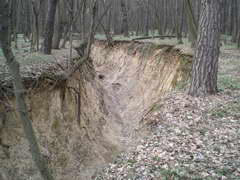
(228, 82)
(227, 110)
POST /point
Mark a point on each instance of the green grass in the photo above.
(155, 107)
(224, 172)
(230, 45)
(23, 48)
(36, 58)
(117, 37)
(23, 55)
(228, 110)
(228, 82)
(1, 53)
(178, 174)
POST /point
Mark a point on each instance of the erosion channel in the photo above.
(85, 122)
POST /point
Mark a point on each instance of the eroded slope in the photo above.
(83, 123)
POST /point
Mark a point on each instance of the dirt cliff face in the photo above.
(88, 120)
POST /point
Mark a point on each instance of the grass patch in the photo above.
(224, 171)
(23, 48)
(56, 124)
(131, 162)
(155, 108)
(227, 82)
(37, 58)
(182, 85)
(228, 110)
(177, 174)
(1, 52)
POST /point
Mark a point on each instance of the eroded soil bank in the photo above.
(192, 138)
(85, 122)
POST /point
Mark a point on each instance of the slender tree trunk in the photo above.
(58, 30)
(109, 21)
(27, 20)
(231, 17)
(71, 18)
(108, 24)
(20, 91)
(83, 17)
(179, 21)
(147, 19)
(224, 17)
(205, 66)
(124, 18)
(35, 34)
(65, 35)
(235, 20)
(238, 40)
(14, 22)
(192, 24)
(49, 27)
(164, 14)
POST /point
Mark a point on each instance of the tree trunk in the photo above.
(20, 91)
(49, 27)
(179, 21)
(83, 19)
(147, 20)
(235, 20)
(58, 30)
(164, 14)
(65, 35)
(205, 66)
(109, 22)
(124, 19)
(35, 33)
(14, 21)
(192, 25)
(231, 17)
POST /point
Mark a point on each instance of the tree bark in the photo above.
(179, 21)
(205, 66)
(36, 5)
(58, 30)
(238, 40)
(147, 19)
(49, 27)
(192, 25)
(83, 19)
(235, 20)
(124, 19)
(20, 91)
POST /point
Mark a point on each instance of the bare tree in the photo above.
(124, 18)
(20, 91)
(49, 27)
(59, 26)
(192, 25)
(36, 5)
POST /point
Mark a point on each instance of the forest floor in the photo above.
(192, 138)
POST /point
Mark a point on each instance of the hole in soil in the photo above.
(100, 76)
